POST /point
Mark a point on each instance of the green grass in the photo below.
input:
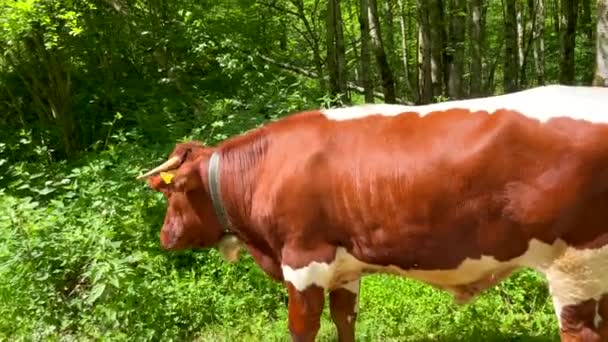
(396, 309)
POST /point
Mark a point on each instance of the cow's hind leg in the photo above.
(602, 317)
(344, 305)
(578, 281)
(577, 322)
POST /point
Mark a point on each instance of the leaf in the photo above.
(45, 191)
(96, 292)
(114, 282)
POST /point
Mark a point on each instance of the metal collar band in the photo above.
(214, 191)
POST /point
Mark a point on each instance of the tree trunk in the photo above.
(601, 68)
(424, 32)
(539, 42)
(404, 54)
(389, 39)
(511, 58)
(48, 80)
(335, 52)
(477, 15)
(413, 31)
(527, 41)
(586, 22)
(521, 32)
(437, 45)
(390, 34)
(569, 10)
(310, 35)
(388, 83)
(555, 15)
(366, 70)
(456, 48)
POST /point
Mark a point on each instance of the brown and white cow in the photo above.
(456, 194)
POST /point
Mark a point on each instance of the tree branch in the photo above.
(301, 71)
(279, 8)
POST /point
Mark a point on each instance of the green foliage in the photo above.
(80, 257)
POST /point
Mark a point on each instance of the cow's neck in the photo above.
(239, 161)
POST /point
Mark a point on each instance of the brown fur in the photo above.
(420, 193)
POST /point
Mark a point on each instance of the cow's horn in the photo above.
(169, 164)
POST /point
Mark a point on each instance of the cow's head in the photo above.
(190, 221)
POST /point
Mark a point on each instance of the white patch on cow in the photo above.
(557, 307)
(542, 103)
(352, 286)
(315, 273)
(345, 267)
(578, 275)
(574, 275)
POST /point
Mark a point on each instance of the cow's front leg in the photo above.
(308, 273)
(305, 308)
(344, 305)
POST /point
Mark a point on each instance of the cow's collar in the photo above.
(213, 173)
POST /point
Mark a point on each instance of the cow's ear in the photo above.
(161, 182)
(187, 177)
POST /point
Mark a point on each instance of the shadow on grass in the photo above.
(491, 337)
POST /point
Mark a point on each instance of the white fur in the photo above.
(574, 275)
(352, 286)
(346, 267)
(542, 103)
(578, 275)
(315, 273)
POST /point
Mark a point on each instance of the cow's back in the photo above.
(453, 183)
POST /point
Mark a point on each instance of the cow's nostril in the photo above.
(167, 239)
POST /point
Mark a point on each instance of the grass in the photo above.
(396, 309)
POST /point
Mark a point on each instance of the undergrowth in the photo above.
(80, 260)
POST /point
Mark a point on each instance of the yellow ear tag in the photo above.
(167, 177)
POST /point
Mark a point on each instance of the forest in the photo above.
(93, 92)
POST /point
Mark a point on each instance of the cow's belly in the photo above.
(472, 275)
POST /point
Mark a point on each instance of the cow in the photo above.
(457, 195)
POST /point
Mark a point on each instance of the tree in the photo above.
(435, 10)
(456, 48)
(386, 74)
(511, 58)
(586, 24)
(601, 69)
(477, 10)
(336, 64)
(407, 79)
(539, 41)
(366, 70)
(424, 32)
(568, 15)
(67, 68)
